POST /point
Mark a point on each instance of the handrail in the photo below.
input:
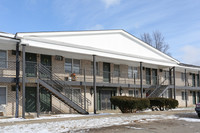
(52, 79)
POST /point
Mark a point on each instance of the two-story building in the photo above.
(79, 71)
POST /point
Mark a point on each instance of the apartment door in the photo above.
(31, 62)
(194, 97)
(31, 100)
(148, 76)
(45, 100)
(104, 96)
(154, 76)
(46, 61)
(106, 72)
(30, 95)
(193, 80)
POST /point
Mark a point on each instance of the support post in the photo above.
(38, 99)
(17, 81)
(23, 81)
(185, 89)
(174, 75)
(141, 79)
(170, 76)
(134, 85)
(94, 81)
(84, 89)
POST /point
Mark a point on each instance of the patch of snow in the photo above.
(190, 119)
(52, 117)
(189, 108)
(133, 128)
(73, 125)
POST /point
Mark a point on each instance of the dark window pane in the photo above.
(68, 65)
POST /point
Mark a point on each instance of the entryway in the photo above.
(31, 100)
(104, 95)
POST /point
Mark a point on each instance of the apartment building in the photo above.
(70, 72)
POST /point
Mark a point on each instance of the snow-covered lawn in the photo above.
(64, 126)
(86, 122)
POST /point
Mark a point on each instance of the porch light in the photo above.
(91, 91)
(120, 91)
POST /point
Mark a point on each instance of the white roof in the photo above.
(116, 44)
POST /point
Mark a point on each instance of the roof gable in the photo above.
(116, 42)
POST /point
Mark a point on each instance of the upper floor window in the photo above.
(3, 59)
(116, 71)
(72, 66)
(132, 72)
(2, 95)
(97, 68)
(183, 76)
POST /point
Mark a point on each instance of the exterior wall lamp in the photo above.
(91, 90)
(120, 91)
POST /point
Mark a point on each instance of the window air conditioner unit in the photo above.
(58, 57)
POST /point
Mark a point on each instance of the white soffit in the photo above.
(116, 44)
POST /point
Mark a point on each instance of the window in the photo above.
(136, 93)
(76, 66)
(76, 95)
(2, 95)
(3, 59)
(183, 76)
(133, 93)
(132, 71)
(72, 66)
(97, 68)
(166, 74)
(130, 92)
(116, 71)
(184, 95)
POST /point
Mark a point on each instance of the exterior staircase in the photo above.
(60, 89)
(159, 91)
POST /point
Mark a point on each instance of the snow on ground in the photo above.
(70, 125)
(86, 122)
(52, 117)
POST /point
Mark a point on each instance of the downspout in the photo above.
(94, 82)
(141, 79)
(17, 80)
(185, 89)
(174, 75)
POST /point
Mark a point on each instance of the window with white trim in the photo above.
(184, 95)
(116, 71)
(3, 59)
(97, 68)
(2, 95)
(72, 66)
(130, 92)
(183, 76)
(132, 71)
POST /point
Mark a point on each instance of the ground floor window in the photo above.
(130, 92)
(2, 95)
(184, 95)
(76, 95)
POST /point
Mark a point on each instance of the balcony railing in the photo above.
(8, 69)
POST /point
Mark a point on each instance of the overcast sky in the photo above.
(177, 20)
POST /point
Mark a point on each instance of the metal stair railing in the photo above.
(158, 88)
(46, 75)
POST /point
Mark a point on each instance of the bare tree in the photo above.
(156, 40)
